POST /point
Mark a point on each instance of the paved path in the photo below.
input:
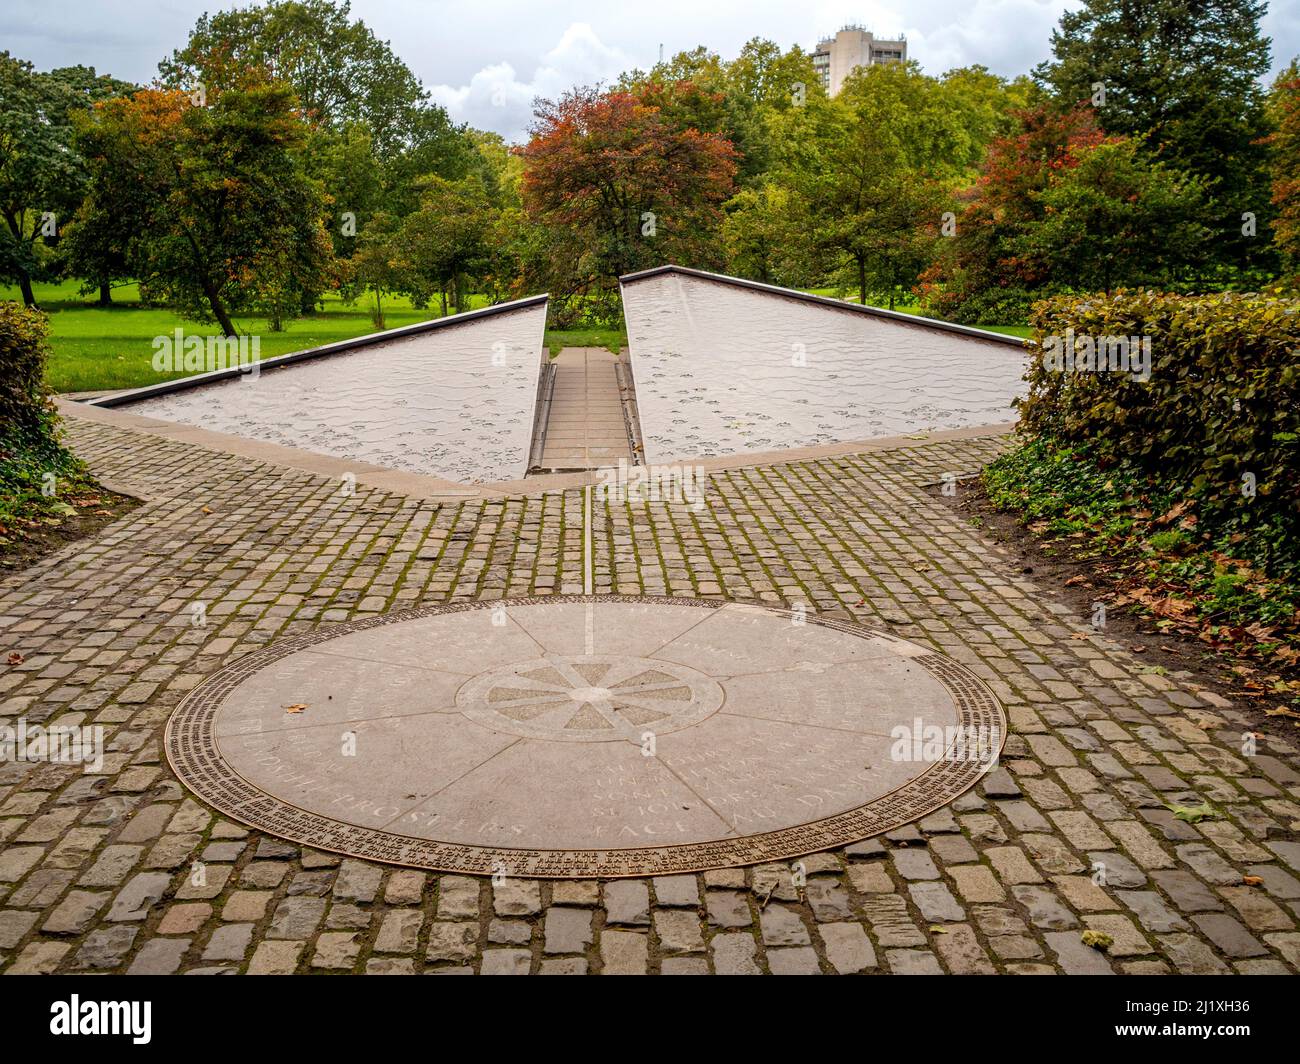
(586, 428)
(120, 871)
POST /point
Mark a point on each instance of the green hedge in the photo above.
(1222, 400)
(24, 349)
(29, 438)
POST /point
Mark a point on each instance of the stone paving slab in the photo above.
(503, 738)
(120, 870)
(453, 400)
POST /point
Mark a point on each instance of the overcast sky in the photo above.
(485, 60)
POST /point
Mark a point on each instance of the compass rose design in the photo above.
(590, 698)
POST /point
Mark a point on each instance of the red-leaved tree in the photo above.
(982, 273)
(623, 184)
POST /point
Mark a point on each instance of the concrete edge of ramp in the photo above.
(421, 486)
(895, 316)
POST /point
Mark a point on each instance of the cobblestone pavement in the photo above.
(98, 872)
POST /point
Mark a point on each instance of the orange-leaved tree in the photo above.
(623, 184)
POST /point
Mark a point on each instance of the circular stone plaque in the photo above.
(576, 737)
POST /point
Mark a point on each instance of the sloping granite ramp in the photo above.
(727, 366)
(453, 397)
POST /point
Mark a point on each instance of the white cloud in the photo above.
(497, 98)
(1008, 36)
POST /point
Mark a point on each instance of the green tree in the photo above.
(343, 74)
(869, 174)
(762, 239)
(222, 213)
(93, 245)
(988, 104)
(446, 240)
(1115, 218)
(1184, 79)
(41, 176)
(377, 265)
(344, 165)
(773, 79)
(1284, 103)
(345, 79)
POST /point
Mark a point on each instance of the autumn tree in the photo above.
(1284, 103)
(222, 214)
(984, 270)
(623, 185)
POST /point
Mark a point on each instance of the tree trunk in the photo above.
(443, 293)
(218, 309)
(25, 286)
(105, 294)
(862, 281)
(209, 289)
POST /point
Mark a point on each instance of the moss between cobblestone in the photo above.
(1097, 745)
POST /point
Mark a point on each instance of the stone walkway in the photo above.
(121, 871)
(585, 428)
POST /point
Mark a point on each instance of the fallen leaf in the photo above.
(297, 707)
(1173, 513)
(15, 658)
(1193, 814)
(1097, 940)
(935, 929)
(1252, 881)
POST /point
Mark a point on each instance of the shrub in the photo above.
(29, 444)
(1218, 421)
(24, 403)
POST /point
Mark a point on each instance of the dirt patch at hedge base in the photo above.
(29, 538)
(1078, 584)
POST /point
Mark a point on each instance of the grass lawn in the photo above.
(112, 347)
(612, 339)
(1023, 331)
